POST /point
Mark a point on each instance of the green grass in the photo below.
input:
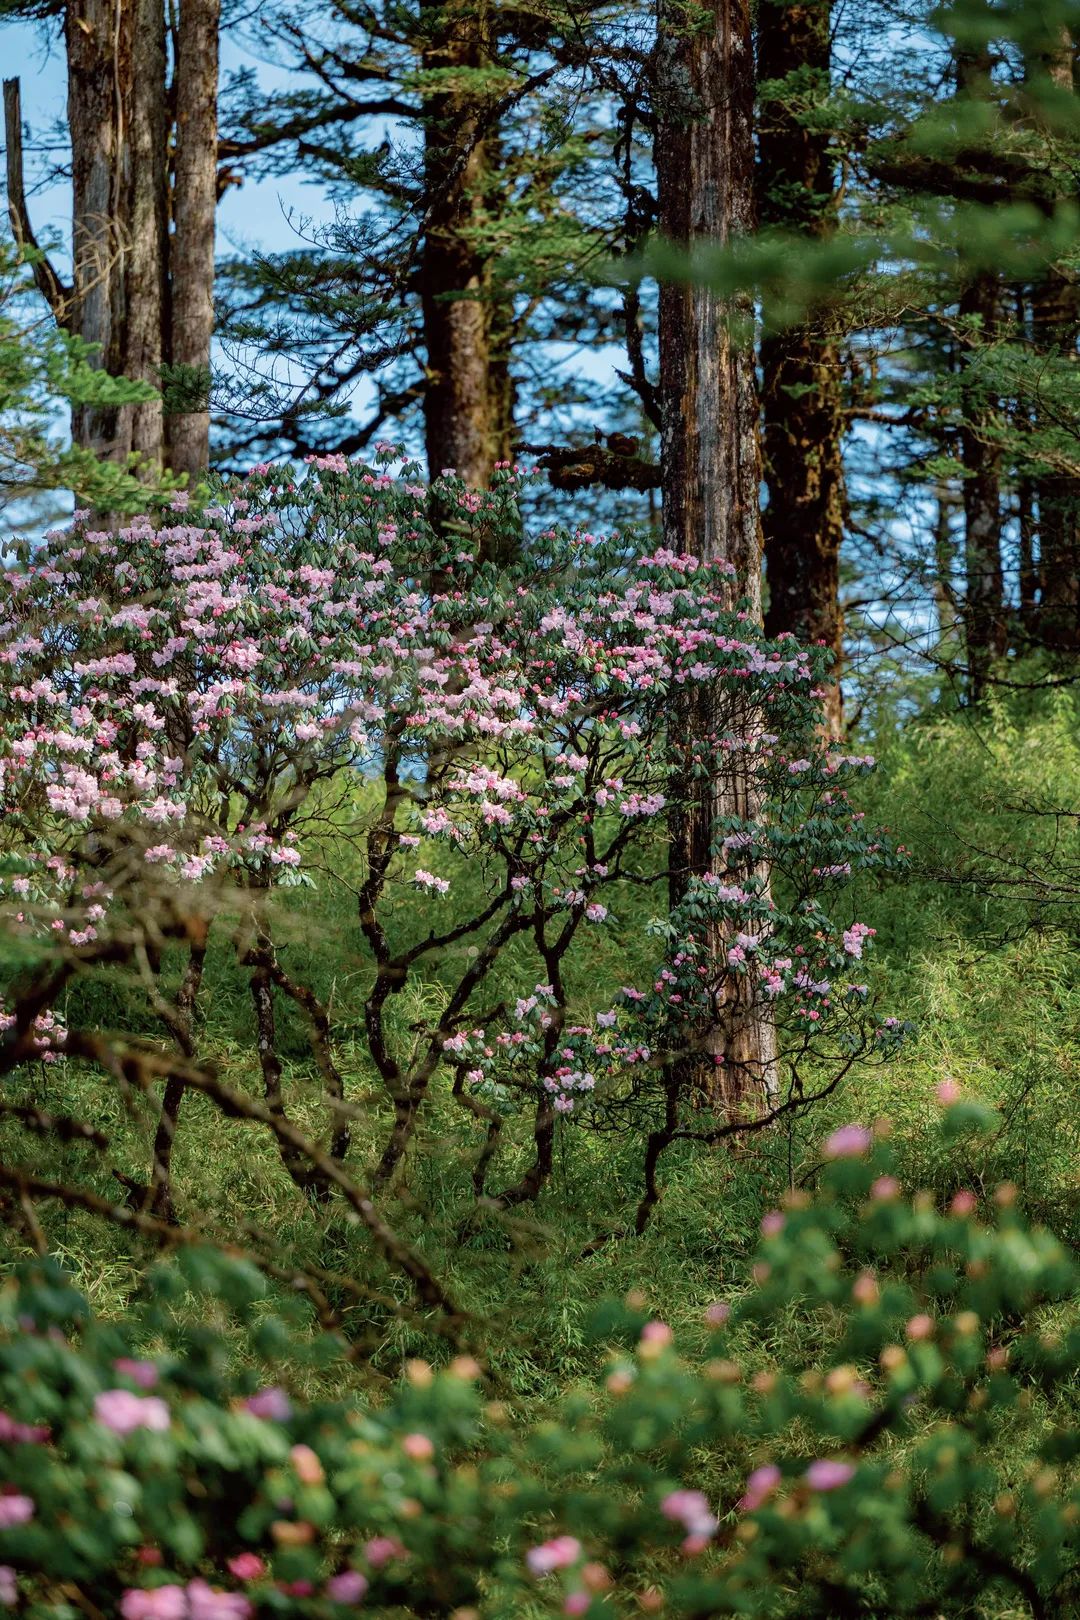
(989, 974)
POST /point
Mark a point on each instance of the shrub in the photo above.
(191, 704)
(852, 1477)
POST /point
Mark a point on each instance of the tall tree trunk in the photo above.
(708, 394)
(943, 588)
(460, 411)
(143, 302)
(803, 421)
(118, 122)
(191, 308)
(1028, 571)
(1056, 330)
(984, 602)
(984, 588)
(709, 442)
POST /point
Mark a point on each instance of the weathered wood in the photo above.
(192, 256)
(708, 393)
(142, 302)
(118, 122)
(48, 282)
(709, 452)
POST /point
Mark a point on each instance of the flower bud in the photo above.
(306, 1465)
(466, 1368)
(290, 1533)
(865, 1290)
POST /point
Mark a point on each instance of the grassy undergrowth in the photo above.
(976, 947)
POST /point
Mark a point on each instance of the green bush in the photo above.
(911, 1451)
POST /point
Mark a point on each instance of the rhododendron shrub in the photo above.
(874, 1468)
(184, 696)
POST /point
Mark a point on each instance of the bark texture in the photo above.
(467, 391)
(985, 628)
(118, 123)
(46, 279)
(1056, 329)
(709, 445)
(802, 403)
(194, 210)
(984, 623)
(708, 394)
(140, 297)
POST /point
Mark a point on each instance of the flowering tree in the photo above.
(190, 703)
(862, 1474)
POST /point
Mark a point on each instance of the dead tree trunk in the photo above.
(802, 404)
(709, 446)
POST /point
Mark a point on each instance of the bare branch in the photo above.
(48, 283)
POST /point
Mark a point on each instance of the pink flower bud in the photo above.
(246, 1566)
(829, 1475)
(849, 1142)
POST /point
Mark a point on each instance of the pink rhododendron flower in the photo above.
(159, 1603)
(718, 1313)
(14, 1433)
(246, 1566)
(760, 1485)
(559, 1553)
(419, 1447)
(849, 1142)
(884, 1188)
(428, 880)
(829, 1475)
(347, 1587)
(123, 1412)
(380, 1549)
(15, 1509)
(576, 1603)
(207, 1602)
(691, 1510)
(272, 1403)
(9, 1587)
(143, 1373)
